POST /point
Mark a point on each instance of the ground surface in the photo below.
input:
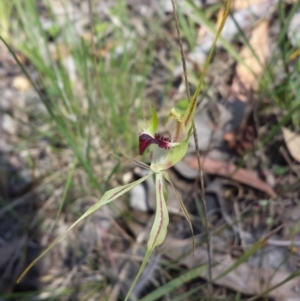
(246, 126)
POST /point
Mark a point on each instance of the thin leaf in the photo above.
(159, 228)
(59, 121)
(210, 26)
(5, 11)
(183, 208)
(189, 114)
(66, 190)
(108, 197)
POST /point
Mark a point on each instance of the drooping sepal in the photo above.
(159, 228)
(107, 197)
(153, 122)
(161, 221)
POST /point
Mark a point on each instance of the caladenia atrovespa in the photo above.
(164, 152)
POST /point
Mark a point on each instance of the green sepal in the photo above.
(153, 122)
(159, 228)
(161, 221)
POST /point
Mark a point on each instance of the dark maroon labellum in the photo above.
(145, 140)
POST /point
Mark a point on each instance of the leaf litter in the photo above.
(292, 141)
(115, 245)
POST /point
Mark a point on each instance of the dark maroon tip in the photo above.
(145, 140)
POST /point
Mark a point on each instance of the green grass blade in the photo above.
(58, 121)
(173, 284)
(66, 190)
(5, 11)
(211, 27)
(189, 114)
(264, 293)
(285, 20)
(252, 250)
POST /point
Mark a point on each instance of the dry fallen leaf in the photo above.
(227, 169)
(245, 80)
(294, 29)
(247, 279)
(292, 141)
(242, 4)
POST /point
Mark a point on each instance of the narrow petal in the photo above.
(176, 127)
(137, 162)
(183, 208)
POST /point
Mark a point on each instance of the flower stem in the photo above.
(210, 290)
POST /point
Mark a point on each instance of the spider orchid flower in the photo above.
(165, 152)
